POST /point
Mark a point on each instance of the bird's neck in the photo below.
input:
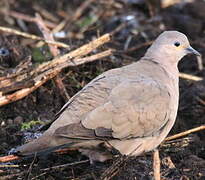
(169, 64)
(170, 69)
(173, 73)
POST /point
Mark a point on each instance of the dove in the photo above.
(131, 109)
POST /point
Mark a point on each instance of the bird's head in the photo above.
(170, 46)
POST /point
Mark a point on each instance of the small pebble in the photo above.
(3, 124)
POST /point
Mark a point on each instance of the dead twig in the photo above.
(28, 18)
(176, 144)
(65, 165)
(55, 52)
(81, 9)
(39, 75)
(201, 101)
(200, 128)
(118, 28)
(8, 158)
(68, 20)
(135, 48)
(200, 63)
(30, 167)
(110, 172)
(45, 170)
(156, 164)
(46, 34)
(9, 166)
(31, 36)
(41, 79)
(46, 14)
(37, 177)
(190, 77)
(11, 176)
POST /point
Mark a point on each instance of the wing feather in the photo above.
(135, 109)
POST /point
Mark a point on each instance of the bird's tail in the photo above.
(40, 146)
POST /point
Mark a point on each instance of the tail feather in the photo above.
(42, 145)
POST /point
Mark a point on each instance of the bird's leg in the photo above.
(96, 155)
(156, 164)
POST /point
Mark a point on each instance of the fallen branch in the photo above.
(55, 52)
(32, 78)
(28, 18)
(31, 36)
(81, 9)
(156, 164)
(65, 165)
(190, 77)
(8, 158)
(200, 128)
(42, 78)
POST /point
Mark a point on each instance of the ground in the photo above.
(134, 24)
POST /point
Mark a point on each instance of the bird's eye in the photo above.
(177, 44)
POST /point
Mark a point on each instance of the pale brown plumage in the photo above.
(131, 108)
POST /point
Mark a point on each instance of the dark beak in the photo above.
(191, 50)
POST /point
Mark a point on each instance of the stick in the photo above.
(31, 36)
(65, 165)
(156, 164)
(200, 63)
(48, 70)
(135, 48)
(200, 128)
(28, 18)
(55, 52)
(8, 158)
(41, 79)
(190, 77)
(81, 9)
